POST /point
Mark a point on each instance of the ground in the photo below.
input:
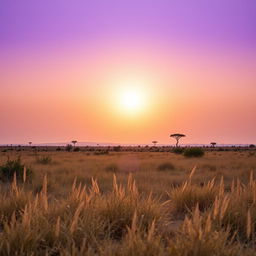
(63, 167)
(129, 203)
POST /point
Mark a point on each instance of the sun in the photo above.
(131, 99)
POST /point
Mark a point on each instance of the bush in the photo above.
(68, 147)
(44, 160)
(117, 148)
(14, 166)
(58, 149)
(178, 150)
(101, 152)
(165, 166)
(76, 149)
(193, 152)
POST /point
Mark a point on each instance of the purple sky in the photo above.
(222, 23)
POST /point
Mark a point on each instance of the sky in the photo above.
(128, 71)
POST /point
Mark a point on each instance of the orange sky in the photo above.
(56, 95)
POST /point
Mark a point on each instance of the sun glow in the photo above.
(131, 99)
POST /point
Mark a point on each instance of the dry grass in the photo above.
(77, 206)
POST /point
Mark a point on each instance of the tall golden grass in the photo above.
(214, 215)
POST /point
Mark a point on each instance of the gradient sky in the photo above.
(63, 62)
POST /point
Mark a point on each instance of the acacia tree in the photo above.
(213, 144)
(74, 142)
(177, 137)
(154, 142)
(30, 143)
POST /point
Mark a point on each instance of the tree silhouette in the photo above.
(154, 142)
(177, 137)
(30, 143)
(213, 144)
(74, 142)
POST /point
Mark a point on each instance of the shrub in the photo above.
(68, 147)
(44, 160)
(166, 166)
(101, 152)
(117, 148)
(77, 149)
(193, 152)
(178, 150)
(14, 166)
(58, 149)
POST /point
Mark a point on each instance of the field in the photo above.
(129, 203)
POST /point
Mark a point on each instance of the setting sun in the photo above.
(129, 95)
(131, 99)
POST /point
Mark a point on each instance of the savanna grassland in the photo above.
(129, 203)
